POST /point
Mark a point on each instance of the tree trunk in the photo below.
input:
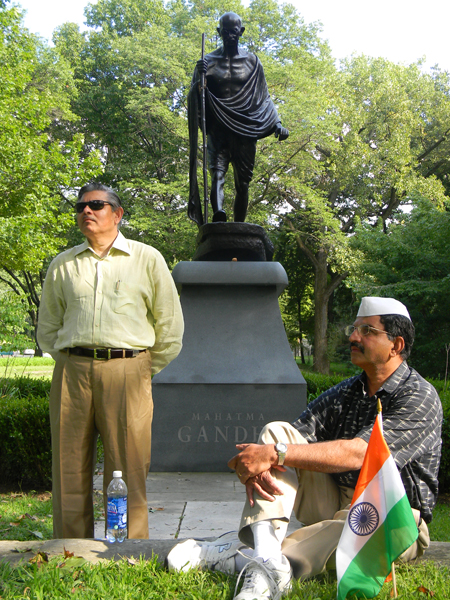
(300, 332)
(324, 286)
(321, 296)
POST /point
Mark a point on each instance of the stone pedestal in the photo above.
(228, 241)
(236, 371)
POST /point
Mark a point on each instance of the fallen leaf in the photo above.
(22, 551)
(38, 534)
(44, 497)
(67, 554)
(153, 509)
(14, 524)
(28, 516)
(80, 586)
(40, 559)
(132, 561)
(72, 563)
(425, 590)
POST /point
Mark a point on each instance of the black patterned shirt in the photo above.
(412, 419)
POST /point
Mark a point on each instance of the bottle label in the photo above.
(117, 513)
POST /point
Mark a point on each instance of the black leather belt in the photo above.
(103, 353)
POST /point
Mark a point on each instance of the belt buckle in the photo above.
(98, 357)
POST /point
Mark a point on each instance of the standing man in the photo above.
(110, 316)
(312, 466)
(239, 111)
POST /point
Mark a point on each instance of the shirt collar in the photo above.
(120, 243)
(391, 383)
(397, 377)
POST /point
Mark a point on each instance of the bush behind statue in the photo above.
(25, 444)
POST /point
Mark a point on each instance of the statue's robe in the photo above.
(250, 113)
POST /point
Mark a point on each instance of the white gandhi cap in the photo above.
(372, 306)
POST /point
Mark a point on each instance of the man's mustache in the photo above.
(356, 345)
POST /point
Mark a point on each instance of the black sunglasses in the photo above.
(93, 205)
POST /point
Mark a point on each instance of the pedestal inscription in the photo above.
(235, 372)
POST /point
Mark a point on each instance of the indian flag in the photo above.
(380, 525)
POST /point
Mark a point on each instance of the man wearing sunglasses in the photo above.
(312, 466)
(111, 317)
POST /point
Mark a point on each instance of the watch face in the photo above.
(281, 447)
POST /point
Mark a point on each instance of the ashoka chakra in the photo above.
(363, 518)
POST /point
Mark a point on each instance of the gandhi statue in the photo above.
(239, 111)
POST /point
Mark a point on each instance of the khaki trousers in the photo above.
(318, 503)
(112, 398)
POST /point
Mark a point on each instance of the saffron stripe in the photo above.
(379, 453)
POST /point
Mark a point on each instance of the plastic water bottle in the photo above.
(116, 517)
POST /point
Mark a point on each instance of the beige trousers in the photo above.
(112, 398)
(318, 503)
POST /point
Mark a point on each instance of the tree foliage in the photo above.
(37, 169)
(386, 135)
(365, 138)
(412, 263)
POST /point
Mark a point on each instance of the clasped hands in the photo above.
(253, 466)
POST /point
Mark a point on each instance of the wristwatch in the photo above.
(281, 449)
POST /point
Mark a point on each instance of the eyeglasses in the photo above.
(93, 205)
(362, 330)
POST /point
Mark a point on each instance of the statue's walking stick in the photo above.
(203, 117)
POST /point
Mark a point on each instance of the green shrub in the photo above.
(317, 383)
(25, 439)
(24, 385)
(25, 444)
(444, 471)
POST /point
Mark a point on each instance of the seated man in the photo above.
(312, 466)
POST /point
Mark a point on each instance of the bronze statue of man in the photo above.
(239, 111)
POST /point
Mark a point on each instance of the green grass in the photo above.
(21, 361)
(32, 366)
(440, 526)
(25, 517)
(138, 579)
(28, 516)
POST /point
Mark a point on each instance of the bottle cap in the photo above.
(117, 473)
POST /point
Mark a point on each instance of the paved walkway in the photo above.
(181, 505)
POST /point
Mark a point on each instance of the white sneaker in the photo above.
(264, 580)
(215, 556)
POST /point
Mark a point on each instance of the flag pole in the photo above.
(203, 122)
(394, 576)
(394, 581)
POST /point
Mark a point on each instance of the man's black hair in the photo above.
(99, 187)
(398, 325)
